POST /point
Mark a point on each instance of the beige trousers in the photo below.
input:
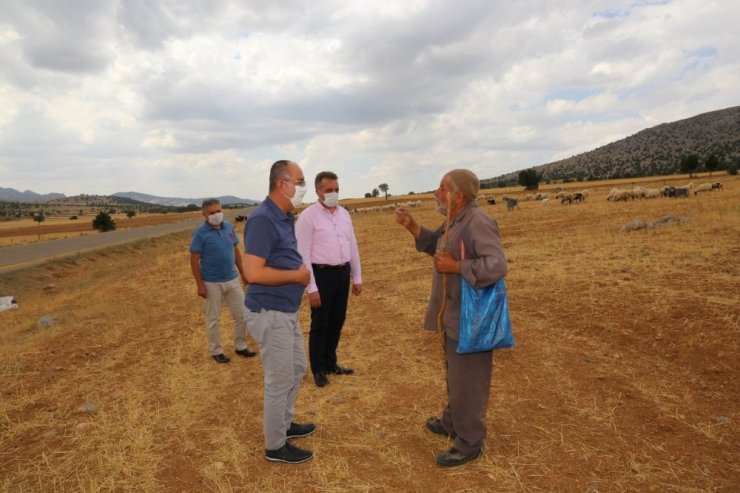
(232, 293)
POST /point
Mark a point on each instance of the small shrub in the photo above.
(103, 222)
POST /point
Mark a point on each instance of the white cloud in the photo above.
(199, 97)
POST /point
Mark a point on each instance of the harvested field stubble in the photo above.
(624, 378)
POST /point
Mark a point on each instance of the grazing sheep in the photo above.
(617, 195)
(545, 201)
(677, 191)
(511, 203)
(571, 198)
(704, 187)
(652, 193)
(491, 201)
(680, 192)
(716, 186)
(638, 193)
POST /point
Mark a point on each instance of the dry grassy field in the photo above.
(625, 377)
(27, 231)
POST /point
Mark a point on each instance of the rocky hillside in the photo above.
(654, 151)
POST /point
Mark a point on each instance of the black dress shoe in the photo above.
(298, 430)
(434, 425)
(221, 358)
(245, 353)
(289, 454)
(453, 457)
(320, 379)
(340, 370)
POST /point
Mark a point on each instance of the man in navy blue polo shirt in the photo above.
(277, 279)
(213, 255)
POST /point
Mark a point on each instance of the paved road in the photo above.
(22, 256)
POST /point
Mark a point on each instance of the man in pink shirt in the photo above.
(327, 243)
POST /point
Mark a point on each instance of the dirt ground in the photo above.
(624, 377)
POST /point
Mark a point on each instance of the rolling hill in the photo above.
(654, 151)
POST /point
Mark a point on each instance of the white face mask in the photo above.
(331, 199)
(216, 218)
(297, 197)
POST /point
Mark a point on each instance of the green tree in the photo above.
(383, 187)
(103, 222)
(130, 213)
(375, 192)
(529, 179)
(689, 164)
(39, 217)
(368, 195)
(711, 164)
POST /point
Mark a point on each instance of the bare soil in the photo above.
(625, 376)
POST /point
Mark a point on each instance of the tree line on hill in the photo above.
(530, 179)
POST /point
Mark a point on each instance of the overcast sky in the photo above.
(193, 98)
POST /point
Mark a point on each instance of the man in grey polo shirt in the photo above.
(214, 260)
(277, 279)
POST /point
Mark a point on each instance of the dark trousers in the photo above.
(468, 388)
(328, 319)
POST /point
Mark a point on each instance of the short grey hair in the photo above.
(209, 202)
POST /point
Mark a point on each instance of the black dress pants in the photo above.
(328, 319)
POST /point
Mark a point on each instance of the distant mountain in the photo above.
(655, 151)
(177, 201)
(120, 198)
(13, 195)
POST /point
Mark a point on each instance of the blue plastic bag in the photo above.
(484, 318)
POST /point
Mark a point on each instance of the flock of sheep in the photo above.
(565, 197)
(618, 194)
(384, 208)
(615, 195)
